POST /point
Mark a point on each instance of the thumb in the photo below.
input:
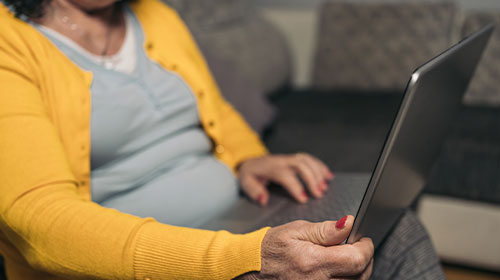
(255, 189)
(330, 233)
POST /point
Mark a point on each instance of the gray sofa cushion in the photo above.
(485, 86)
(345, 129)
(247, 55)
(348, 129)
(242, 93)
(469, 164)
(365, 46)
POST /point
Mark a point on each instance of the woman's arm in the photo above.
(57, 231)
(235, 142)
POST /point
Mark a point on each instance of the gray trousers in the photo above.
(407, 253)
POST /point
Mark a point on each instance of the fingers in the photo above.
(287, 179)
(314, 172)
(315, 165)
(316, 182)
(284, 170)
(308, 174)
(348, 259)
(255, 189)
(328, 233)
(325, 172)
(255, 173)
(368, 271)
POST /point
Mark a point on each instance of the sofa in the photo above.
(365, 54)
(377, 46)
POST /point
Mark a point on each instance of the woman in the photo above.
(128, 80)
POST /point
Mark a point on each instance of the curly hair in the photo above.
(29, 8)
(34, 8)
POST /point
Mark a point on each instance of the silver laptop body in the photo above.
(430, 104)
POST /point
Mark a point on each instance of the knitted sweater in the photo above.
(49, 228)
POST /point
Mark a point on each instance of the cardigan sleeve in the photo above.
(239, 139)
(57, 231)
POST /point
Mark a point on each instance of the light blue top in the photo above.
(150, 157)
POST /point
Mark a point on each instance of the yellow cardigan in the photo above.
(49, 228)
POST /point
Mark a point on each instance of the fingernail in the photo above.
(260, 198)
(341, 223)
(325, 185)
(330, 175)
(321, 191)
(304, 196)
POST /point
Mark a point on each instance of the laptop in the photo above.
(430, 104)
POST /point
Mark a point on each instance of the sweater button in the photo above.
(174, 67)
(211, 124)
(219, 149)
(149, 46)
(201, 93)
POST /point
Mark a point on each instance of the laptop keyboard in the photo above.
(343, 197)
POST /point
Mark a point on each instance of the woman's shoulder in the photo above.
(152, 7)
(9, 23)
(26, 52)
(156, 13)
(17, 35)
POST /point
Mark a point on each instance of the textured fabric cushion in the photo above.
(242, 93)
(377, 46)
(247, 55)
(207, 14)
(344, 129)
(469, 164)
(348, 129)
(485, 86)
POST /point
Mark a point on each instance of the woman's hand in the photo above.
(303, 250)
(256, 173)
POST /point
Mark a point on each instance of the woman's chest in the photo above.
(131, 113)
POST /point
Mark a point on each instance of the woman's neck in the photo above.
(100, 31)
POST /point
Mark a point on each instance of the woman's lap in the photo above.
(407, 253)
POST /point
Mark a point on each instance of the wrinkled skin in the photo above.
(303, 250)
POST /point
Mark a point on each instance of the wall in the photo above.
(297, 19)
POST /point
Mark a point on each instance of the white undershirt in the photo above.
(125, 60)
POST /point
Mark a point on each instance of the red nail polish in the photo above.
(304, 194)
(260, 198)
(331, 175)
(341, 223)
